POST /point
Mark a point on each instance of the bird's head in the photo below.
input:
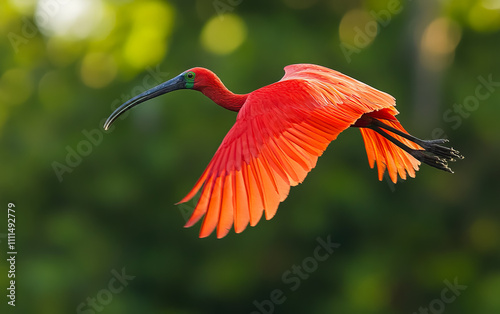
(195, 78)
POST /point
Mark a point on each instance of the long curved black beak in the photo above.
(176, 83)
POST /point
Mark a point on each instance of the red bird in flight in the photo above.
(281, 130)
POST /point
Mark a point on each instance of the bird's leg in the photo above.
(431, 146)
(431, 155)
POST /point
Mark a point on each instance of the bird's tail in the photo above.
(388, 155)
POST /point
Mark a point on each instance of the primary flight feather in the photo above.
(281, 130)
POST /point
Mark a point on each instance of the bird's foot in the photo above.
(443, 152)
(431, 159)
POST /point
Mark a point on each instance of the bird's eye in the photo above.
(189, 77)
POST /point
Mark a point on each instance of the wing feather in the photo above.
(255, 194)
(386, 153)
(202, 205)
(270, 195)
(242, 214)
(295, 155)
(285, 163)
(227, 206)
(213, 211)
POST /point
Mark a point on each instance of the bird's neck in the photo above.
(224, 97)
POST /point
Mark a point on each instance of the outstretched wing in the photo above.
(279, 133)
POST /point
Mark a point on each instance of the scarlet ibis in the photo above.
(281, 130)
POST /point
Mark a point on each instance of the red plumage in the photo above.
(280, 131)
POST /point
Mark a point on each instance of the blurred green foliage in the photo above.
(90, 203)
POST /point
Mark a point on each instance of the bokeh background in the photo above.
(93, 204)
